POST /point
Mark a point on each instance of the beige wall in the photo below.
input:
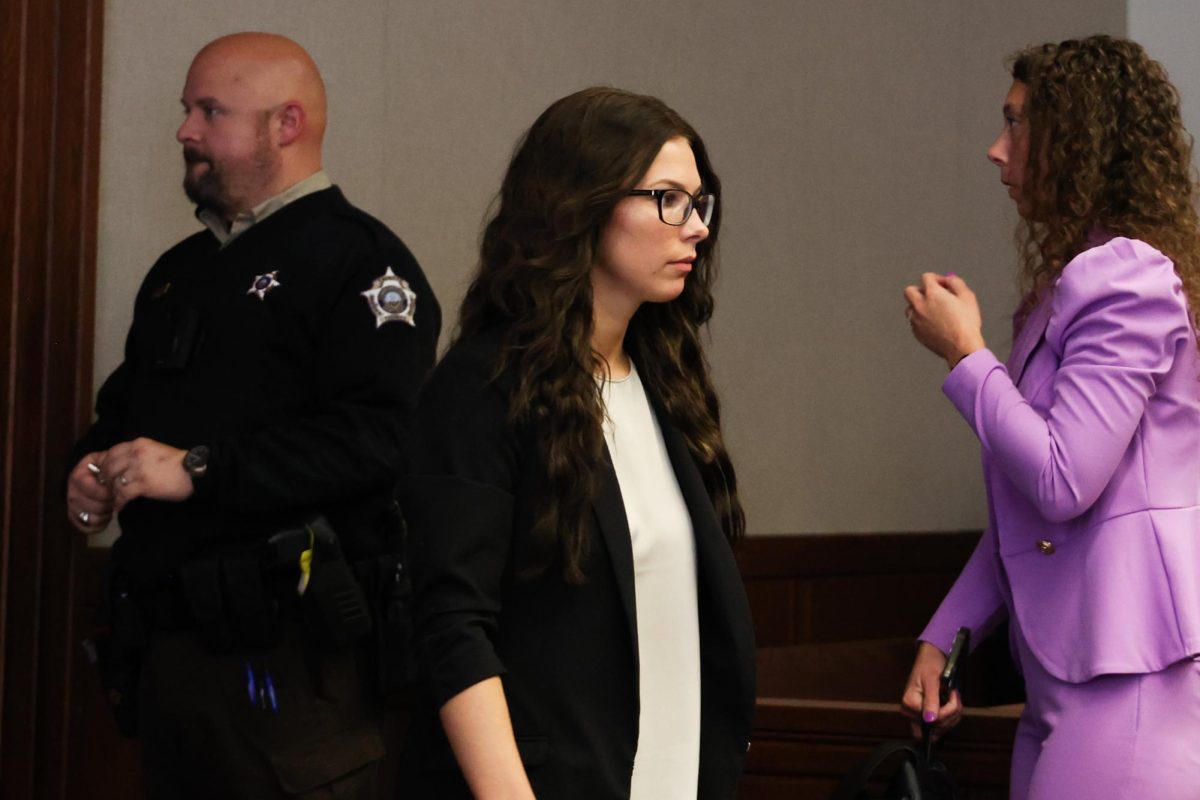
(850, 138)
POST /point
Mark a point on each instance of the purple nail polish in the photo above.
(951, 274)
(930, 716)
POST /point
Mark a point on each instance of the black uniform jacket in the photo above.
(305, 401)
(567, 653)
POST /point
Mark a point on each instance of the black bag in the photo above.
(917, 777)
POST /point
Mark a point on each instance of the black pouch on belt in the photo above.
(230, 604)
(253, 605)
(116, 648)
(200, 583)
(389, 592)
(388, 585)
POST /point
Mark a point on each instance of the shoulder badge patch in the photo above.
(390, 298)
(262, 285)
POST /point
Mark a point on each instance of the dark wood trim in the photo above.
(849, 586)
(803, 748)
(50, 74)
(879, 553)
(835, 618)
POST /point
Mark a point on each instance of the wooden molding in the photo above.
(850, 586)
(50, 76)
(879, 553)
(803, 748)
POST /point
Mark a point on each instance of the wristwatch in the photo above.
(195, 463)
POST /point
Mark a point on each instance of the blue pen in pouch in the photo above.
(251, 687)
(270, 684)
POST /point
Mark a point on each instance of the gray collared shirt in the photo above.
(226, 232)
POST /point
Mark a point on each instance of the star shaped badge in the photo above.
(263, 284)
(390, 299)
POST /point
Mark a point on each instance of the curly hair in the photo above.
(582, 155)
(1107, 149)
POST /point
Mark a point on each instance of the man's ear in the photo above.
(291, 119)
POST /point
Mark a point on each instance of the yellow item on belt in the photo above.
(305, 565)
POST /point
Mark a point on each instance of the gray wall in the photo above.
(850, 138)
(1168, 29)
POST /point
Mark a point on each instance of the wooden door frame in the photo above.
(50, 78)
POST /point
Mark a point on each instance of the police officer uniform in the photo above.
(286, 360)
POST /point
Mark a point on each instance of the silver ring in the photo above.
(121, 479)
(84, 517)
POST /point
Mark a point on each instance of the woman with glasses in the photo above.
(1090, 433)
(581, 620)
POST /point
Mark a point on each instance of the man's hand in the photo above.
(89, 501)
(145, 468)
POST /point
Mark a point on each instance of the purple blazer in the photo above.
(1091, 458)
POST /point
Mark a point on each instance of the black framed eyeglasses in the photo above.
(675, 205)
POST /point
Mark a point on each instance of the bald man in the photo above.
(268, 380)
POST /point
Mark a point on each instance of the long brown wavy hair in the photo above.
(1107, 149)
(582, 155)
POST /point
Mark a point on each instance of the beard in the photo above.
(229, 184)
(206, 190)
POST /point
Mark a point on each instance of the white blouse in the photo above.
(664, 566)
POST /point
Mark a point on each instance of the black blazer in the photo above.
(567, 653)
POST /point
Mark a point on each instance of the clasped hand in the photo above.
(944, 316)
(101, 484)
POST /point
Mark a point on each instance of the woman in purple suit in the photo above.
(1090, 433)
